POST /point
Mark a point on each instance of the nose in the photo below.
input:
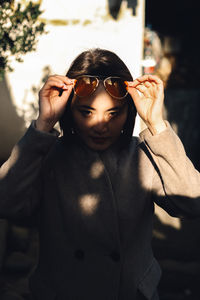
(100, 126)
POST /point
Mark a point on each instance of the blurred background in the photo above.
(38, 39)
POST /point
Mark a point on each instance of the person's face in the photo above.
(99, 118)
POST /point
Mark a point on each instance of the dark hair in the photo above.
(103, 63)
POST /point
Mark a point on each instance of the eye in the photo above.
(114, 113)
(85, 112)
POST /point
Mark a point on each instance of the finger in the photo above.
(134, 94)
(51, 86)
(147, 84)
(55, 92)
(58, 81)
(144, 79)
(156, 82)
(66, 80)
(141, 88)
(155, 79)
(66, 93)
(150, 78)
(139, 80)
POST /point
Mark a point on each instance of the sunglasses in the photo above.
(85, 85)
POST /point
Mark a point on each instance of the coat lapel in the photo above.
(86, 197)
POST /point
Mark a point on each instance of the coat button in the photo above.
(79, 254)
(115, 256)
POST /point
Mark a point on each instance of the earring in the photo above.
(72, 131)
(122, 131)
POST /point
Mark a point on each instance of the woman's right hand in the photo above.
(53, 98)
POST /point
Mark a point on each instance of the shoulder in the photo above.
(135, 142)
(132, 147)
(137, 145)
(58, 148)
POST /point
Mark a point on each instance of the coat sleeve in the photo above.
(176, 184)
(20, 181)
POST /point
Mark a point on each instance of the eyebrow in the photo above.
(84, 106)
(110, 109)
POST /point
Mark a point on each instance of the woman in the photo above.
(96, 185)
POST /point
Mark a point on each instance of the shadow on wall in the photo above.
(177, 249)
(114, 7)
(183, 106)
(14, 239)
(11, 125)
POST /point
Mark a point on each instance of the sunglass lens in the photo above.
(116, 87)
(85, 86)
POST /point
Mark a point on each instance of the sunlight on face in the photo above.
(99, 118)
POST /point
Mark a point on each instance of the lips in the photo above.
(99, 140)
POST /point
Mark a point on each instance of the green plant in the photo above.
(19, 29)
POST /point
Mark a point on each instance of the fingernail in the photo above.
(71, 80)
(64, 86)
(128, 83)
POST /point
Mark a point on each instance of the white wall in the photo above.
(86, 24)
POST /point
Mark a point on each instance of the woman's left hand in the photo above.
(147, 93)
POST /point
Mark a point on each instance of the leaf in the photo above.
(19, 31)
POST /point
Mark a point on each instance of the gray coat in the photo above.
(97, 211)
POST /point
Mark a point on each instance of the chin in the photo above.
(98, 146)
